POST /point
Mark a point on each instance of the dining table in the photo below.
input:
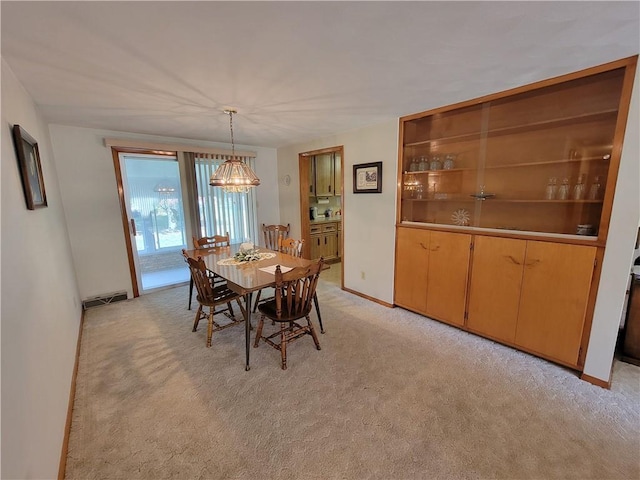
(248, 277)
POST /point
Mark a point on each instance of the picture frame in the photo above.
(28, 156)
(367, 178)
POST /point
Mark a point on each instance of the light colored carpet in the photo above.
(391, 395)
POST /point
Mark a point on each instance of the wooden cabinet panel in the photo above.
(324, 175)
(447, 276)
(337, 174)
(317, 246)
(412, 261)
(553, 302)
(331, 245)
(496, 280)
(324, 241)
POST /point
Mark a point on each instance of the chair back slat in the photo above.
(273, 234)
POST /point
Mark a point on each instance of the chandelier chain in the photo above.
(233, 147)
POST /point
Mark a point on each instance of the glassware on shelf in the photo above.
(585, 229)
(424, 164)
(435, 164)
(414, 165)
(578, 188)
(449, 161)
(563, 191)
(594, 190)
(551, 191)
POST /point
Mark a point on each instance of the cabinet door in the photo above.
(494, 292)
(553, 302)
(412, 261)
(324, 175)
(447, 276)
(330, 245)
(317, 246)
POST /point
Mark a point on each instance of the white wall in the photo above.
(90, 198)
(368, 220)
(40, 304)
(619, 253)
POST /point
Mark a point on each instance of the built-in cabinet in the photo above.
(531, 294)
(325, 240)
(325, 174)
(504, 208)
(431, 273)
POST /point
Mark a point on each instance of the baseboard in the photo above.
(72, 395)
(596, 381)
(384, 304)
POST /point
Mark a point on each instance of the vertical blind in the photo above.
(221, 213)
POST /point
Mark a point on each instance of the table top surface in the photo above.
(246, 277)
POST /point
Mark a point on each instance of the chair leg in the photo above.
(231, 310)
(197, 320)
(283, 344)
(190, 292)
(259, 331)
(313, 333)
(210, 327)
(317, 305)
(255, 305)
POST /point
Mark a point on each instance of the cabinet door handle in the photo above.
(436, 249)
(422, 245)
(513, 259)
(532, 262)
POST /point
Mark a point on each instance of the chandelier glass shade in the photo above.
(234, 176)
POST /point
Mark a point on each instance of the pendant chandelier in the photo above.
(234, 176)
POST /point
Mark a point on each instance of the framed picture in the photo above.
(30, 168)
(367, 178)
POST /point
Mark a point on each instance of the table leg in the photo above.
(315, 302)
(247, 326)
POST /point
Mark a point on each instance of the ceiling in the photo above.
(295, 71)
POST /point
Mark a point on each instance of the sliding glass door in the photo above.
(156, 215)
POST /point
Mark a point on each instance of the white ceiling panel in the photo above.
(295, 71)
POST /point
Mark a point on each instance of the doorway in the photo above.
(321, 196)
(153, 212)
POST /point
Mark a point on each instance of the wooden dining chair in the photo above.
(203, 243)
(211, 242)
(293, 247)
(286, 245)
(273, 233)
(212, 296)
(290, 246)
(293, 300)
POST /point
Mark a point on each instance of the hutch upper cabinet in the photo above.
(541, 158)
(504, 208)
